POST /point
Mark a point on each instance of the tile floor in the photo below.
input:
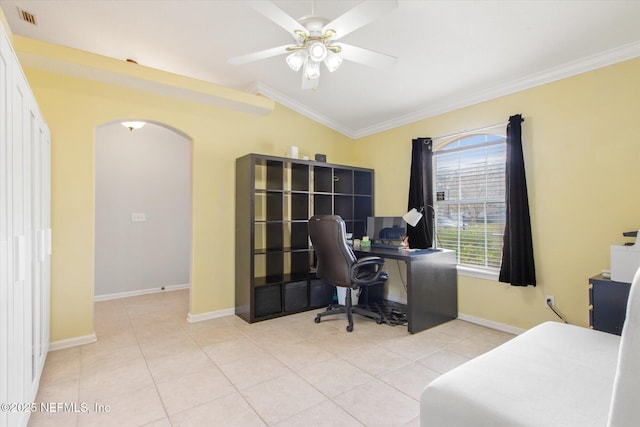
(150, 367)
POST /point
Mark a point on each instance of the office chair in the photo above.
(338, 266)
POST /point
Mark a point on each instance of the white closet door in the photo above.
(44, 248)
(6, 250)
(40, 248)
(24, 238)
(37, 249)
(20, 370)
(45, 269)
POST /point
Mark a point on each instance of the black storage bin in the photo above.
(321, 293)
(371, 294)
(268, 300)
(295, 296)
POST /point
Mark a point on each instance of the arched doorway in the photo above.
(143, 210)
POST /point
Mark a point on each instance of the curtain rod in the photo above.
(470, 131)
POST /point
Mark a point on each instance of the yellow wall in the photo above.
(73, 108)
(581, 153)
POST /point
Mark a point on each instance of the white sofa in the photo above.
(550, 376)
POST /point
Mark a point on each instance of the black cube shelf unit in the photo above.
(275, 197)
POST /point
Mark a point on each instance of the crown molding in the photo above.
(280, 98)
(569, 69)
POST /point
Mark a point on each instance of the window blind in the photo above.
(470, 198)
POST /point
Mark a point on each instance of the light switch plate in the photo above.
(138, 217)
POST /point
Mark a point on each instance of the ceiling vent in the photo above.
(27, 16)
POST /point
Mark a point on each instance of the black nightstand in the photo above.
(607, 304)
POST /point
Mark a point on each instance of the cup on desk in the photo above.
(356, 243)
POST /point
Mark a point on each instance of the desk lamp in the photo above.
(414, 216)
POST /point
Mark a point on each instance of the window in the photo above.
(470, 198)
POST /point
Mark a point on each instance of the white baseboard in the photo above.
(140, 292)
(478, 321)
(399, 300)
(193, 318)
(73, 342)
(491, 324)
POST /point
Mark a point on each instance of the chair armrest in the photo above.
(362, 276)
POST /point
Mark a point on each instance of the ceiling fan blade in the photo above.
(277, 15)
(359, 16)
(256, 56)
(366, 56)
(309, 83)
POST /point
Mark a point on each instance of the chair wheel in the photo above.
(349, 328)
(317, 319)
(379, 321)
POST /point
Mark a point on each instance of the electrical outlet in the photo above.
(551, 299)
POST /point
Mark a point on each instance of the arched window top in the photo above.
(469, 178)
(468, 141)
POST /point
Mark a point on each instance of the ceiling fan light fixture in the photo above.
(311, 69)
(317, 51)
(332, 61)
(316, 39)
(296, 59)
(133, 125)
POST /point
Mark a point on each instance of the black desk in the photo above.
(432, 284)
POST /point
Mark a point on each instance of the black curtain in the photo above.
(421, 193)
(517, 252)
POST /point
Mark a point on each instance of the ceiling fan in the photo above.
(316, 39)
